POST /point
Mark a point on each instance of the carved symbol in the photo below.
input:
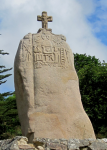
(62, 56)
(43, 36)
(37, 38)
(63, 37)
(50, 51)
(28, 53)
(57, 40)
(48, 37)
(37, 49)
(47, 49)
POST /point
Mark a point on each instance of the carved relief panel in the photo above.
(50, 50)
(26, 49)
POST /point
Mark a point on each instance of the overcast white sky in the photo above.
(83, 22)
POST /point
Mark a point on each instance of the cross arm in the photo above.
(39, 18)
(50, 19)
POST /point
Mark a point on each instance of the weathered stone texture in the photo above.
(20, 143)
(47, 90)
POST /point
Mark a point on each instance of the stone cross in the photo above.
(45, 19)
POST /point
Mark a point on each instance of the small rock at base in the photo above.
(40, 148)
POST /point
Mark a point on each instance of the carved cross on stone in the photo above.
(45, 19)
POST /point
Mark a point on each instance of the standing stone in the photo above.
(47, 88)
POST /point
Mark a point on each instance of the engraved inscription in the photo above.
(26, 48)
(47, 49)
(50, 56)
(50, 50)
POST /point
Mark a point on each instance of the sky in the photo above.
(83, 22)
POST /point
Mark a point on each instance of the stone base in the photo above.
(20, 143)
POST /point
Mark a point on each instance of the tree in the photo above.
(2, 77)
(10, 125)
(80, 60)
(3, 102)
(92, 81)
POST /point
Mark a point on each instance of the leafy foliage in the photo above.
(2, 77)
(81, 60)
(9, 121)
(3, 70)
(8, 112)
(92, 81)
